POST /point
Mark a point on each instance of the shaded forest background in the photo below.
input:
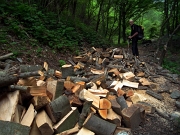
(70, 24)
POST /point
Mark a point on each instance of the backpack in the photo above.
(140, 32)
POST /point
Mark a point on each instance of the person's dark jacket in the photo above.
(134, 29)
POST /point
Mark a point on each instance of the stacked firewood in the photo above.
(95, 93)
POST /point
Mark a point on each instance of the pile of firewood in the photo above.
(94, 94)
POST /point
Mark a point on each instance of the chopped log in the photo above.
(45, 66)
(68, 121)
(103, 113)
(58, 74)
(44, 123)
(155, 95)
(98, 125)
(140, 74)
(58, 108)
(118, 56)
(104, 104)
(99, 78)
(128, 76)
(29, 116)
(113, 117)
(122, 102)
(100, 93)
(147, 107)
(131, 117)
(144, 81)
(119, 85)
(41, 83)
(8, 105)
(97, 72)
(84, 113)
(142, 111)
(120, 92)
(68, 85)
(137, 97)
(70, 131)
(88, 96)
(129, 93)
(74, 100)
(6, 56)
(113, 72)
(30, 81)
(130, 84)
(30, 68)
(84, 131)
(56, 87)
(34, 129)
(11, 128)
(67, 70)
(18, 113)
(40, 102)
(37, 90)
(115, 106)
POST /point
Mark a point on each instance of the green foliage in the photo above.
(61, 63)
(171, 66)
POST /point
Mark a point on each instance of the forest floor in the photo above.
(154, 124)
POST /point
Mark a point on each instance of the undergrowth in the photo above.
(24, 22)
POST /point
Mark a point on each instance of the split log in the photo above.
(30, 81)
(58, 108)
(8, 104)
(68, 121)
(11, 128)
(29, 116)
(137, 97)
(69, 131)
(44, 123)
(155, 95)
(144, 81)
(40, 102)
(37, 90)
(98, 125)
(130, 84)
(104, 104)
(113, 117)
(84, 131)
(18, 113)
(34, 129)
(56, 87)
(128, 76)
(88, 96)
(103, 113)
(85, 112)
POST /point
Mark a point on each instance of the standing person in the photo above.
(134, 38)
